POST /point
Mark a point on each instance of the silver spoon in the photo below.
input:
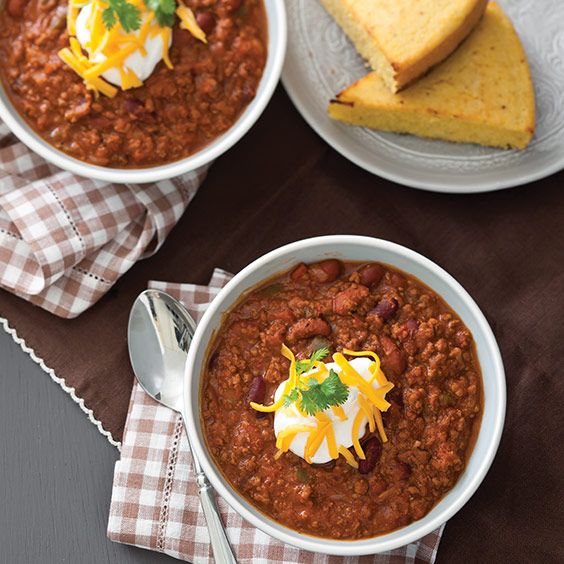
(159, 333)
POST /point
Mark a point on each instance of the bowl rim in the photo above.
(277, 20)
(372, 545)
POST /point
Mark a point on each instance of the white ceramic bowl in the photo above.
(354, 248)
(277, 36)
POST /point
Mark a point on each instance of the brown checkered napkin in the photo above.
(65, 240)
(155, 497)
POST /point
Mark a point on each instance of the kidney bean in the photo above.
(393, 358)
(326, 270)
(372, 450)
(298, 272)
(206, 21)
(307, 328)
(16, 8)
(371, 274)
(386, 308)
(257, 391)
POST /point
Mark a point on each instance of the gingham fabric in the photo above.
(65, 240)
(155, 496)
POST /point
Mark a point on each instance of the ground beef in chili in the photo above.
(426, 351)
(173, 115)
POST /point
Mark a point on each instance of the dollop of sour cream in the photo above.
(142, 65)
(286, 416)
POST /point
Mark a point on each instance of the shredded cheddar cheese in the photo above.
(287, 353)
(368, 412)
(189, 23)
(72, 12)
(98, 85)
(320, 428)
(129, 79)
(380, 425)
(165, 36)
(291, 432)
(377, 374)
(348, 456)
(268, 408)
(352, 378)
(307, 450)
(355, 429)
(338, 411)
(331, 443)
(110, 49)
(114, 60)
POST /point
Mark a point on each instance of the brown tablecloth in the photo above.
(283, 183)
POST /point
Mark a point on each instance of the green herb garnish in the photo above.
(319, 396)
(164, 11)
(306, 365)
(290, 398)
(313, 395)
(129, 15)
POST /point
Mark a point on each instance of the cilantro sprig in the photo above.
(164, 11)
(317, 396)
(129, 16)
(306, 365)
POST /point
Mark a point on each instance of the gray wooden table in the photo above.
(55, 474)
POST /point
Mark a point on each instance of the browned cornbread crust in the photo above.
(402, 40)
(482, 94)
(405, 75)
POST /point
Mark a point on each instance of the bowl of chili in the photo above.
(399, 300)
(186, 113)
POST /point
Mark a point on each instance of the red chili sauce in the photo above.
(436, 404)
(173, 115)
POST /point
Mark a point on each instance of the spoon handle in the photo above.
(220, 544)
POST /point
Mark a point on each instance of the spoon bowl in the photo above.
(159, 334)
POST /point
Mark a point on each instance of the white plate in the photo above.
(321, 62)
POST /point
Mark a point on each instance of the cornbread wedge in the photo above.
(482, 94)
(402, 39)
